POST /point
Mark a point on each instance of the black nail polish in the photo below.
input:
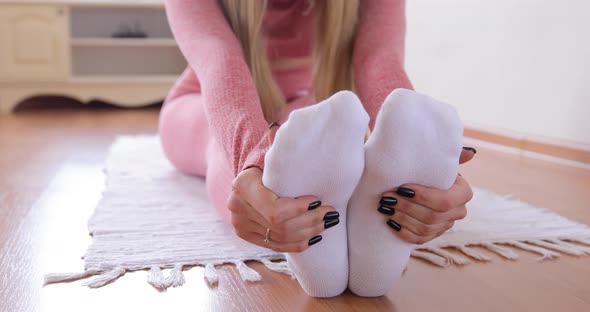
(405, 192)
(386, 210)
(315, 240)
(330, 223)
(394, 225)
(331, 215)
(314, 205)
(388, 200)
(467, 148)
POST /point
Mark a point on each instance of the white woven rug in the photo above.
(153, 217)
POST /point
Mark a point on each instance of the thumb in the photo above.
(467, 154)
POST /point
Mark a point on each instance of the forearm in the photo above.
(230, 98)
(378, 54)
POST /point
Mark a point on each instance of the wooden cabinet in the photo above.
(71, 48)
(33, 43)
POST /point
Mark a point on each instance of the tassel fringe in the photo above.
(176, 277)
(545, 253)
(450, 257)
(548, 249)
(247, 274)
(210, 274)
(105, 278)
(561, 246)
(430, 257)
(473, 253)
(502, 251)
(280, 267)
(157, 279)
(67, 277)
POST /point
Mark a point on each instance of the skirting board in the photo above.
(577, 152)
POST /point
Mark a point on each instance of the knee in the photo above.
(172, 141)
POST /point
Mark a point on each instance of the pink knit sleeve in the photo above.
(378, 56)
(231, 102)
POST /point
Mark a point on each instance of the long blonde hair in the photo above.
(333, 49)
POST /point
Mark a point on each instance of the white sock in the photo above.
(319, 151)
(416, 139)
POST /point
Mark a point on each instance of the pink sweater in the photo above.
(222, 76)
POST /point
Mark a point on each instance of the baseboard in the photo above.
(566, 150)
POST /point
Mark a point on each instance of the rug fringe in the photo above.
(210, 275)
(501, 250)
(450, 257)
(585, 241)
(156, 278)
(472, 252)
(430, 257)
(563, 242)
(248, 274)
(67, 277)
(560, 246)
(105, 278)
(280, 267)
(545, 253)
(176, 277)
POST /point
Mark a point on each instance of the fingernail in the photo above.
(386, 210)
(314, 205)
(331, 215)
(405, 192)
(274, 124)
(315, 240)
(394, 225)
(467, 148)
(330, 223)
(388, 200)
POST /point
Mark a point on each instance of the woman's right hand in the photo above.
(294, 223)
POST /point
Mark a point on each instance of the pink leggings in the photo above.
(185, 138)
(184, 132)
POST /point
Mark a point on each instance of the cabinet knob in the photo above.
(60, 11)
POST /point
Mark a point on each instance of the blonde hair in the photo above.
(332, 57)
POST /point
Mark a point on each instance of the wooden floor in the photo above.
(50, 180)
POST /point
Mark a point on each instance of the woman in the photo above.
(251, 63)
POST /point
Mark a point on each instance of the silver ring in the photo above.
(267, 236)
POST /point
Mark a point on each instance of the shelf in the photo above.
(126, 60)
(123, 42)
(95, 22)
(122, 79)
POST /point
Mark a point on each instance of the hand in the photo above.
(294, 223)
(431, 212)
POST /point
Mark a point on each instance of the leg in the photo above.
(319, 151)
(416, 139)
(184, 133)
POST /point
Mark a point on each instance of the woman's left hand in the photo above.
(430, 212)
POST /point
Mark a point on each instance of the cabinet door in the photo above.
(33, 43)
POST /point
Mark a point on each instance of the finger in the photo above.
(405, 234)
(272, 132)
(423, 214)
(248, 185)
(306, 226)
(440, 200)
(240, 207)
(275, 210)
(288, 208)
(416, 227)
(258, 239)
(467, 154)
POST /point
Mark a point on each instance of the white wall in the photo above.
(517, 65)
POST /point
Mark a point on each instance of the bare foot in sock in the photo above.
(416, 139)
(319, 151)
